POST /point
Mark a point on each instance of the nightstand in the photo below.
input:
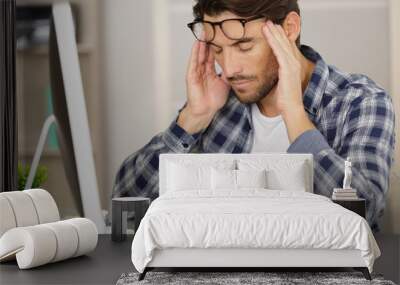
(120, 208)
(358, 206)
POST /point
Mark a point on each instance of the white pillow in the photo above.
(223, 179)
(292, 180)
(189, 174)
(251, 178)
(281, 175)
(236, 179)
(181, 177)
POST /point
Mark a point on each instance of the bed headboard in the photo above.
(209, 158)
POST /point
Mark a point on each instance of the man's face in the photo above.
(249, 64)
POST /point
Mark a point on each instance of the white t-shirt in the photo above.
(270, 133)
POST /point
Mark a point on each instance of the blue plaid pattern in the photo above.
(354, 118)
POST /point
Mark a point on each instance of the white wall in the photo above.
(351, 34)
(129, 107)
(147, 44)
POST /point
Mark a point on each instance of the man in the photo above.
(273, 96)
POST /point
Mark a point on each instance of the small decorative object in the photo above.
(346, 193)
(31, 231)
(347, 174)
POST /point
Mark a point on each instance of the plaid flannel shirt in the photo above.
(354, 118)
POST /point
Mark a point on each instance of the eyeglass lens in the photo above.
(232, 29)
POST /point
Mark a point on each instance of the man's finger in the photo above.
(210, 57)
(283, 35)
(290, 46)
(296, 51)
(210, 64)
(193, 58)
(202, 53)
(283, 43)
(275, 46)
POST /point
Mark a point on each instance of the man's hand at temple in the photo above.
(207, 92)
(289, 88)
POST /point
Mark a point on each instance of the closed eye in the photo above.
(245, 45)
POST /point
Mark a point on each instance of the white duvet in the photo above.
(253, 218)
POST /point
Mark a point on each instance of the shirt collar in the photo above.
(319, 79)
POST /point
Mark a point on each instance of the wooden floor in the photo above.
(106, 264)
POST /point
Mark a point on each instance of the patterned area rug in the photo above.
(225, 278)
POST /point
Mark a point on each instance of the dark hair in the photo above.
(274, 10)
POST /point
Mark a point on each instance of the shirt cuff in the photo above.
(178, 140)
(311, 141)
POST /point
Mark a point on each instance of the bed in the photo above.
(245, 211)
